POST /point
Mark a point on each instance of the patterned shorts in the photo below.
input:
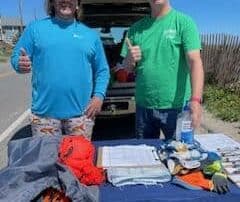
(49, 126)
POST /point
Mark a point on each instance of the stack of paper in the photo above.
(133, 164)
(231, 163)
(213, 142)
(129, 156)
(228, 149)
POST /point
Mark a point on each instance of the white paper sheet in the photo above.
(213, 142)
(129, 156)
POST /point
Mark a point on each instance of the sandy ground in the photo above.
(211, 124)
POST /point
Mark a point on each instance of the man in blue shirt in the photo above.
(69, 70)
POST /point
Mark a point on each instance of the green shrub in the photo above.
(222, 103)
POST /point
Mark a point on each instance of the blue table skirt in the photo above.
(162, 193)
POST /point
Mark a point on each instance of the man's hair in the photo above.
(50, 9)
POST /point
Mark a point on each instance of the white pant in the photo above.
(74, 126)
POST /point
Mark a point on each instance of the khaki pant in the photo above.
(74, 126)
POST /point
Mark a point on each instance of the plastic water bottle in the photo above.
(184, 130)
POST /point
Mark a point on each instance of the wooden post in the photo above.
(1, 31)
(20, 6)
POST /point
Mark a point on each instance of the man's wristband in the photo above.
(196, 99)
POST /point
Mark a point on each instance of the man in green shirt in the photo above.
(164, 50)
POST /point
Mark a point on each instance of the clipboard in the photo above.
(123, 156)
(99, 157)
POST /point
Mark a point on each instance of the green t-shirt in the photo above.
(163, 79)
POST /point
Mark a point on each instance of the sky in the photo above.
(211, 16)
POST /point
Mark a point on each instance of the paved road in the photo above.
(14, 101)
(14, 95)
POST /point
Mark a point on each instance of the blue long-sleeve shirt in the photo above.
(68, 66)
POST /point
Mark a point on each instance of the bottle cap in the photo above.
(186, 106)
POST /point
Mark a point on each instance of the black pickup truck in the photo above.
(108, 16)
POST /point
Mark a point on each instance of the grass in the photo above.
(224, 104)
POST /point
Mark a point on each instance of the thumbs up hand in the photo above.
(134, 55)
(134, 51)
(24, 62)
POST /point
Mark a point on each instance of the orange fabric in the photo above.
(197, 178)
(122, 75)
(77, 153)
(53, 195)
